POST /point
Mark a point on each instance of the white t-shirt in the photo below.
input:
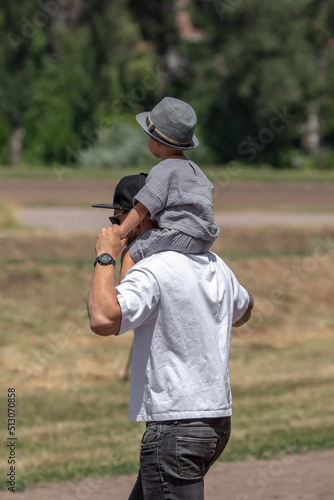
(181, 308)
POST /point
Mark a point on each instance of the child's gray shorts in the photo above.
(160, 240)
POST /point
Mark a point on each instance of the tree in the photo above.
(19, 59)
(259, 74)
(68, 66)
(254, 75)
(320, 33)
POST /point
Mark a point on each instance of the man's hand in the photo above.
(109, 241)
(103, 308)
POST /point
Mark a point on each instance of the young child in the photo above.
(177, 195)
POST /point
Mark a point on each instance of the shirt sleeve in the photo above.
(155, 192)
(138, 296)
(240, 299)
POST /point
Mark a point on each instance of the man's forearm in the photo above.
(246, 316)
(103, 308)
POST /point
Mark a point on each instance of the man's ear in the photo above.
(143, 226)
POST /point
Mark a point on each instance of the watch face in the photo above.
(105, 258)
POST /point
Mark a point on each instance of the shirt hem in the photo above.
(180, 415)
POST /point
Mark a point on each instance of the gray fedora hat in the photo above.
(172, 123)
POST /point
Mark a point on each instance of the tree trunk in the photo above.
(15, 145)
(312, 137)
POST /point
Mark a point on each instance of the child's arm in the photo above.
(134, 217)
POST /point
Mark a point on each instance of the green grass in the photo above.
(280, 407)
(65, 172)
(84, 431)
(7, 217)
(266, 174)
(71, 434)
(217, 173)
(246, 254)
(72, 402)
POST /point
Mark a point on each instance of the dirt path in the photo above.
(290, 477)
(65, 204)
(81, 219)
(236, 196)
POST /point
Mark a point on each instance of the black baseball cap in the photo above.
(125, 191)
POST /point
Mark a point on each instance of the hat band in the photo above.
(156, 133)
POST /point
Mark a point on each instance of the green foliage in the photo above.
(121, 145)
(255, 62)
(65, 66)
(302, 161)
(63, 69)
(326, 161)
(60, 97)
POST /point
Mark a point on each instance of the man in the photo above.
(181, 308)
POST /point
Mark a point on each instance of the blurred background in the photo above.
(73, 75)
(259, 74)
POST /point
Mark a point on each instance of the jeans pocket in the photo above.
(192, 454)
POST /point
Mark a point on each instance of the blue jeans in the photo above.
(176, 455)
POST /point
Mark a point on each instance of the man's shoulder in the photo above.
(173, 259)
(189, 272)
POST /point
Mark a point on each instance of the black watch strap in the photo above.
(105, 259)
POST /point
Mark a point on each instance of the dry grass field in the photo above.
(71, 396)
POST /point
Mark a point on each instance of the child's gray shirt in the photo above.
(178, 195)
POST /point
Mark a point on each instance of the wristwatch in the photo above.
(105, 259)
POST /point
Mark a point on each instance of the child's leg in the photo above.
(160, 240)
(126, 263)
